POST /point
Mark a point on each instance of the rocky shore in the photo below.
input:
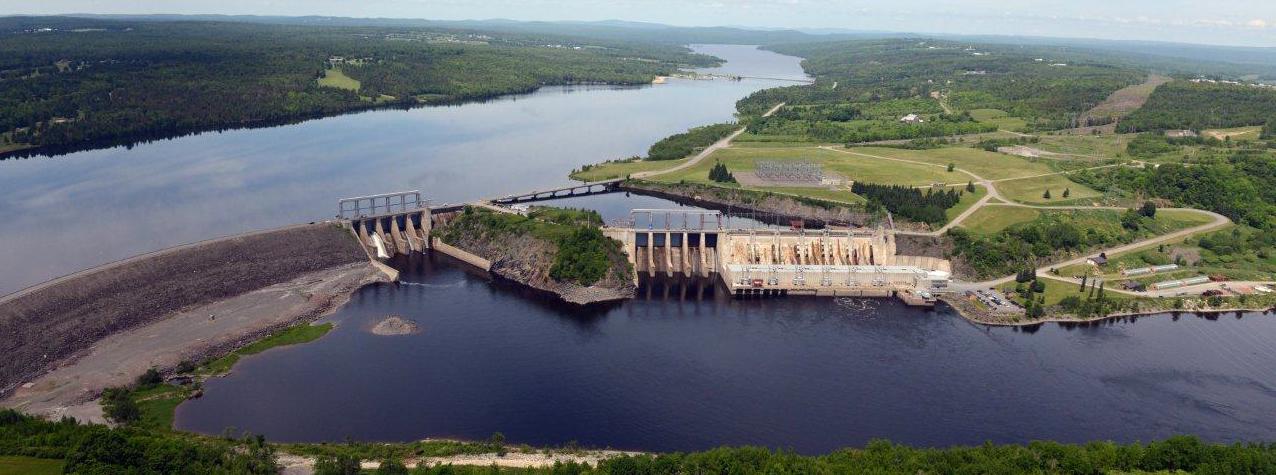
(778, 207)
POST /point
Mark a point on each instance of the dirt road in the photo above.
(719, 145)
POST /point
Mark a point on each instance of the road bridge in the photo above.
(583, 189)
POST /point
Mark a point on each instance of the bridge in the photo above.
(583, 189)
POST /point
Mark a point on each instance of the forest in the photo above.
(681, 145)
(70, 83)
(91, 449)
(1047, 86)
(909, 202)
(1202, 105)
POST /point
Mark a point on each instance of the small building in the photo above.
(1098, 260)
(912, 119)
(1180, 133)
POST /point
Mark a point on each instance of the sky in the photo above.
(1229, 22)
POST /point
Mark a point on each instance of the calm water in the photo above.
(684, 367)
(68, 213)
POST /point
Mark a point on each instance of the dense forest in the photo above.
(681, 145)
(1203, 105)
(1046, 238)
(1046, 86)
(99, 449)
(67, 83)
(908, 202)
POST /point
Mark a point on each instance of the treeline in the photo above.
(1197, 106)
(1242, 186)
(1026, 245)
(94, 82)
(99, 449)
(908, 202)
(681, 145)
(1005, 77)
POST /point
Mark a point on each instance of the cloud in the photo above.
(1257, 23)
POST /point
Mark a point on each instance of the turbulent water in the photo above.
(680, 368)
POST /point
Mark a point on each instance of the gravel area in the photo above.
(42, 326)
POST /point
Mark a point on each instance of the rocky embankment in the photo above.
(779, 206)
(48, 324)
(527, 255)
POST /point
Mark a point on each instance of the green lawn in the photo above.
(157, 405)
(850, 167)
(1109, 146)
(998, 117)
(14, 465)
(990, 165)
(992, 219)
(1057, 290)
(335, 78)
(610, 170)
(1030, 190)
(303, 333)
(967, 200)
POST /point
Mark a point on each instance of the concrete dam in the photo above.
(851, 262)
(859, 262)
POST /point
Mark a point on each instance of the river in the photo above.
(84, 209)
(682, 367)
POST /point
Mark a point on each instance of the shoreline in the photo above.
(963, 312)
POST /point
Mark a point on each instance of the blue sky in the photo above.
(1237, 22)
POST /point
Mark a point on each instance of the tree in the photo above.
(1046, 195)
(392, 466)
(119, 407)
(1067, 192)
(1148, 209)
(1083, 279)
(720, 174)
(1101, 284)
(951, 167)
(1131, 220)
(1038, 286)
(150, 378)
(970, 187)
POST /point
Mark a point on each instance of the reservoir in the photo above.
(682, 367)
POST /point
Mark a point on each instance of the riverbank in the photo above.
(771, 207)
(69, 339)
(975, 314)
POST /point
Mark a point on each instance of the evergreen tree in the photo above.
(1067, 192)
(970, 187)
(1083, 279)
(1046, 195)
(951, 167)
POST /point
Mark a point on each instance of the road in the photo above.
(719, 145)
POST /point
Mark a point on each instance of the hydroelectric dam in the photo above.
(832, 262)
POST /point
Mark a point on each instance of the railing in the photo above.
(375, 205)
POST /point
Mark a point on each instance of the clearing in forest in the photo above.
(336, 78)
(1125, 100)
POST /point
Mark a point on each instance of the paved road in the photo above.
(719, 145)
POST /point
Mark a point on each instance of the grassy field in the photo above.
(967, 200)
(303, 333)
(610, 170)
(856, 168)
(1057, 290)
(14, 465)
(1031, 190)
(993, 166)
(1235, 133)
(998, 117)
(335, 78)
(992, 219)
(1107, 146)
(157, 405)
